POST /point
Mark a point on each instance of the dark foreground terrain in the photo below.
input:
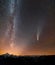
(7, 59)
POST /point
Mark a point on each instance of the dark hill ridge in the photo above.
(7, 59)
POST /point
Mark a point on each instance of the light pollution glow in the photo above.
(11, 49)
(22, 50)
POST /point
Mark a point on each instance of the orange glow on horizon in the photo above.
(38, 49)
(11, 51)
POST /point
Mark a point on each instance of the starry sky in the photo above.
(33, 23)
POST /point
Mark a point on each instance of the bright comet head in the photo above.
(37, 37)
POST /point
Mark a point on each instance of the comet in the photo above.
(40, 28)
(37, 37)
(38, 33)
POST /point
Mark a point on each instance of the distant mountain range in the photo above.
(9, 59)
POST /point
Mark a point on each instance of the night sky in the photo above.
(27, 27)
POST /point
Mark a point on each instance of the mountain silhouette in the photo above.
(9, 59)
